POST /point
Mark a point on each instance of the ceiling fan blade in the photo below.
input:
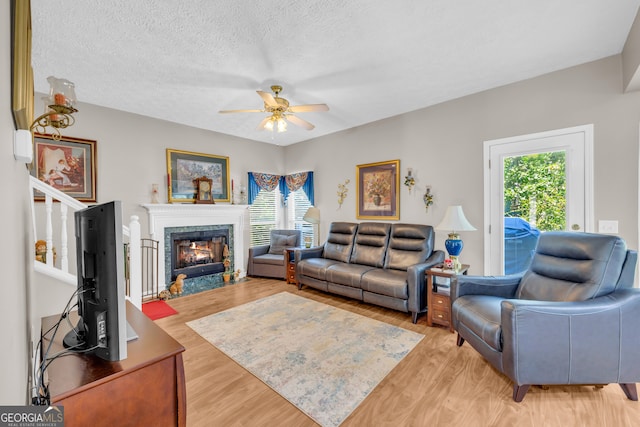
(308, 108)
(298, 121)
(240, 111)
(263, 123)
(268, 98)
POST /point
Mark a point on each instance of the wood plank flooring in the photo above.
(437, 384)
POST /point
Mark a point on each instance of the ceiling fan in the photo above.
(281, 111)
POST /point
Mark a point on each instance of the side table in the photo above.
(290, 265)
(438, 298)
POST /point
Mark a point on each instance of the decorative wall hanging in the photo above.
(183, 167)
(68, 164)
(378, 190)
(342, 192)
(427, 198)
(409, 181)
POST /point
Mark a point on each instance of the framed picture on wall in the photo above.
(68, 164)
(184, 167)
(378, 190)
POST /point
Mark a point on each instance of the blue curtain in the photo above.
(261, 181)
(286, 184)
(295, 181)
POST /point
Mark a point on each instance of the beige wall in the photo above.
(131, 154)
(15, 247)
(443, 144)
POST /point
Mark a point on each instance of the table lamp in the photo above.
(454, 221)
(313, 216)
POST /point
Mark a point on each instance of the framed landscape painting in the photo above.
(378, 190)
(184, 167)
(68, 164)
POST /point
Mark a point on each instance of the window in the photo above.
(264, 216)
(297, 206)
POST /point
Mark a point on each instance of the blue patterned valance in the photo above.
(287, 184)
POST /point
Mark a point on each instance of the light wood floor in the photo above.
(437, 384)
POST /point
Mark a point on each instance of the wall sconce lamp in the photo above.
(59, 107)
(454, 221)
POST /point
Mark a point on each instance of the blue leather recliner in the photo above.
(572, 318)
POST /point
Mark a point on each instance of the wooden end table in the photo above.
(290, 265)
(438, 298)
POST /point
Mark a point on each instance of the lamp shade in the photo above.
(454, 220)
(312, 215)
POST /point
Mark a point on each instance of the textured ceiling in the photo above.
(183, 61)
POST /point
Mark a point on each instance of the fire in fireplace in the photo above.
(198, 253)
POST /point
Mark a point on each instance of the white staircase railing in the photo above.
(61, 272)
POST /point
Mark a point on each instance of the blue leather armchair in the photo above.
(572, 318)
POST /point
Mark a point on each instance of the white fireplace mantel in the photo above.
(162, 216)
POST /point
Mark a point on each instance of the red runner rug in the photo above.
(157, 310)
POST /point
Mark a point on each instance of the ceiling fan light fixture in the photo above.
(269, 125)
(282, 125)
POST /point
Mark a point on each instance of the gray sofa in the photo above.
(378, 263)
(268, 260)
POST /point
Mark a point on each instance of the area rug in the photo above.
(322, 359)
(157, 310)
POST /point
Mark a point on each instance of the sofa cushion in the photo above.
(314, 267)
(392, 283)
(340, 241)
(269, 259)
(279, 242)
(409, 244)
(370, 244)
(347, 274)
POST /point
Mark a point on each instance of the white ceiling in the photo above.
(183, 61)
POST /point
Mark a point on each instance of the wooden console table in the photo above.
(147, 388)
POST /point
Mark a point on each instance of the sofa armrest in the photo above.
(258, 250)
(497, 286)
(304, 253)
(557, 335)
(417, 281)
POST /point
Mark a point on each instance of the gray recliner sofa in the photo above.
(378, 263)
(269, 260)
(572, 318)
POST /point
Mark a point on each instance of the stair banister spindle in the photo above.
(48, 201)
(64, 261)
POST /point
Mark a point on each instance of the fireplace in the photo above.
(165, 219)
(198, 253)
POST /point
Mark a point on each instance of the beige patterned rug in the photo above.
(322, 359)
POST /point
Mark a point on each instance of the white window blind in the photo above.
(264, 216)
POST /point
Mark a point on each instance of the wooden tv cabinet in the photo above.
(147, 388)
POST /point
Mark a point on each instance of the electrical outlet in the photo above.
(608, 227)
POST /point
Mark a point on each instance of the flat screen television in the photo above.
(102, 323)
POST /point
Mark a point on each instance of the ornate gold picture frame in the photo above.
(183, 167)
(21, 71)
(378, 190)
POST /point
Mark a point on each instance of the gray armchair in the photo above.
(268, 260)
(572, 318)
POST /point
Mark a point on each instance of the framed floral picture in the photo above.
(378, 190)
(68, 164)
(184, 167)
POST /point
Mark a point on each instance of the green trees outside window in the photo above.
(535, 189)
